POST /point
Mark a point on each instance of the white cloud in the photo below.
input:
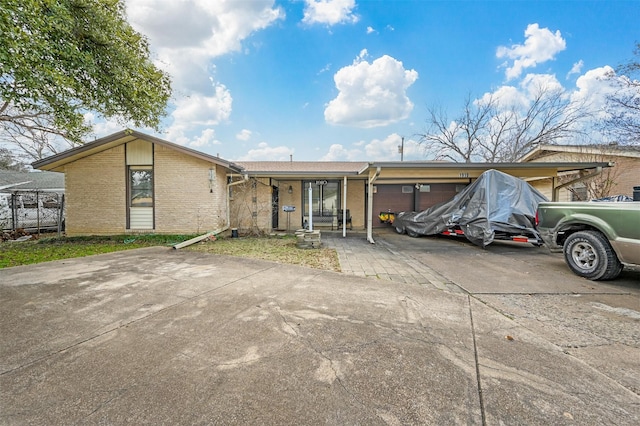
(520, 97)
(371, 94)
(244, 135)
(376, 150)
(264, 152)
(576, 68)
(595, 86)
(541, 45)
(329, 12)
(371, 30)
(185, 36)
(198, 109)
(337, 152)
(207, 28)
(206, 138)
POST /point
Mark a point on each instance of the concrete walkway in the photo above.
(361, 258)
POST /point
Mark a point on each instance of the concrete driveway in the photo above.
(157, 336)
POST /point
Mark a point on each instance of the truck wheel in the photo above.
(589, 255)
(412, 234)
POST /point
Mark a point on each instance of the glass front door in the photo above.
(325, 198)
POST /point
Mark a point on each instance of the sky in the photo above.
(349, 80)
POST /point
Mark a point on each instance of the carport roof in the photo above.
(303, 168)
(566, 166)
(58, 160)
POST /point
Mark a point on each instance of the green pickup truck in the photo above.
(597, 238)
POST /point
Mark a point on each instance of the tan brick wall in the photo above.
(293, 199)
(251, 206)
(356, 201)
(186, 201)
(95, 194)
(625, 174)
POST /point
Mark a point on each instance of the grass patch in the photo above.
(47, 249)
(281, 249)
(277, 249)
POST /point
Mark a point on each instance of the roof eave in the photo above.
(58, 160)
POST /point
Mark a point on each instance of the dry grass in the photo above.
(276, 249)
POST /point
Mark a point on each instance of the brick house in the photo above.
(584, 185)
(130, 182)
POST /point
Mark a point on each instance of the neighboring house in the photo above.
(584, 185)
(31, 200)
(132, 182)
(31, 181)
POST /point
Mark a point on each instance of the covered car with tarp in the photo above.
(497, 206)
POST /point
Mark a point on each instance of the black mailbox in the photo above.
(289, 208)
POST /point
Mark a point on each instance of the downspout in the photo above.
(245, 178)
(370, 206)
(344, 208)
(556, 190)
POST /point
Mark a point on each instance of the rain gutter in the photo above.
(370, 205)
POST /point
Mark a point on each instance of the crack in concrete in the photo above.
(128, 323)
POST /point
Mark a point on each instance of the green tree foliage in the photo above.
(62, 58)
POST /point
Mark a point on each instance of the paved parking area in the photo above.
(159, 336)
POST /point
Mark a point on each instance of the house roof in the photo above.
(603, 150)
(55, 162)
(28, 181)
(302, 168)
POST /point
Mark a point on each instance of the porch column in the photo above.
(344, 208)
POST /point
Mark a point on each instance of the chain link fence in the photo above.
(32, 211)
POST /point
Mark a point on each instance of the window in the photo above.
(325, 197)
(141, 185)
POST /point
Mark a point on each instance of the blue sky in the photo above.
(345, 80)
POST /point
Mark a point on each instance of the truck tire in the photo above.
(589, 255)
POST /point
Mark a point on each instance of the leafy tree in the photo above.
(490, 130)
(62, 58)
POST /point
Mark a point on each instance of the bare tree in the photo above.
(8, 161)
(601, 185)
(623, 123)
(459, 139)
(33, 133)
(489, 130)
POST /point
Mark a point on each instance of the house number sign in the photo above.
(321, 182)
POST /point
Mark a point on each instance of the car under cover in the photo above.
(495, 205)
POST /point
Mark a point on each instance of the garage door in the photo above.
(397, 198)
(432, 194)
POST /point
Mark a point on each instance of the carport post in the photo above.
(344, 208)
(310, 208)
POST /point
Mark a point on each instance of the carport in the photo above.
(414, 186)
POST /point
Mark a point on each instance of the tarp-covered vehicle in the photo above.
(497, 206)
